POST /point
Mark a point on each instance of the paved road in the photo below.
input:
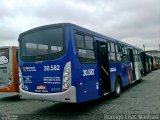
(139, 98)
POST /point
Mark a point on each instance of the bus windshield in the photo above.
(42, 42)
(4, 56)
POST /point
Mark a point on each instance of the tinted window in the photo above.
(84, 45)
(43, 42)
(86, 56)
(118, 52)
(112, 47)
(124, 56)
(112, 56)
(119, 49)
(89, 42)
(136, 55)
(79, 41)
(116, 47)
(111, 51)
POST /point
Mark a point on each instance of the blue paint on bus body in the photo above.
(36, 75)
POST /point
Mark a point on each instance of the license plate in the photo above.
(41, 87)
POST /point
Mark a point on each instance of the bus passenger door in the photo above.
(131, 57)
(104, 67)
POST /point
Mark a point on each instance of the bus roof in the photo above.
(74, 26)
(103, 36)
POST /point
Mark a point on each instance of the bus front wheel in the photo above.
(117, 91)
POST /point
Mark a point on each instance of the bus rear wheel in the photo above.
(118, 88)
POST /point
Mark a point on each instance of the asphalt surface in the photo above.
(138, 98)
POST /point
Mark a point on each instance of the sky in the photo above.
(136, 22)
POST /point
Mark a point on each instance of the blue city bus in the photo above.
(68, 63)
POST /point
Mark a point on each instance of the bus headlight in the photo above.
(66, 85)
(66, 77)
(21, 83)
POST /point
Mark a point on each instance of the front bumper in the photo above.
(67, 96)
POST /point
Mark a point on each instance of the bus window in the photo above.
(79, 41)
(84, 46)
(47, 42)
(89, 42)
(43, 49)
(118, 52)
(112, 47)
(136, 55)
(139, 59)
(124, 56)
(112, 52)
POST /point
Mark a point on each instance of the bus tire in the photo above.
(118, 88)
